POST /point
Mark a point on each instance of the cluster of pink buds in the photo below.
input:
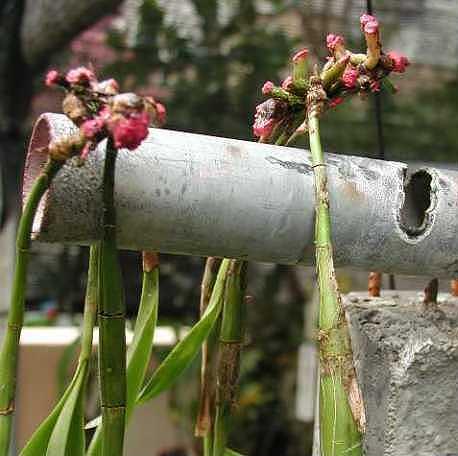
(345, 73)
(100, 111)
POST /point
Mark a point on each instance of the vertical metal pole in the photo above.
(380, 137)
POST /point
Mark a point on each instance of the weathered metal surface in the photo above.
(202, 195)
(406, 358)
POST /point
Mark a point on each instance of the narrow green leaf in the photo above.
(77, 438)
(38, 443)
(66, 362)
(70, 407)
(229, 452)
(139, 353)
(68, 433)
(388, 85)
(187, 349)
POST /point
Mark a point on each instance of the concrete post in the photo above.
(406, 357)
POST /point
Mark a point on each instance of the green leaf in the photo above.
(139, 353)
(38, 443)
(229, 452)
(388, 85)
(66, 362)
(187, 349)
(67, 415)
(67, 437)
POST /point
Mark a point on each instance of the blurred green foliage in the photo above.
(212, 80)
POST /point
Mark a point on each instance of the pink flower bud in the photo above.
(332, 41)
(267, 87)
(52, 78)
(161, 113)
(300, 55)
(399, 61)
(375, 86)
(104, 113)
(85, 151)
(91, 128)
(267, 115)
(128, 132)
(286, 84)
(107, 87)
(349, 77)
(264, 129)
(335, 102)
(369, 24)
(80, 75)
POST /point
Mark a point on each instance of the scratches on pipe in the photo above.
(300, 167)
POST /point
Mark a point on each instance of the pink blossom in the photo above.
(400, 61)
(335, 102)
(104, 113)
(85, 151)
(52, 78)
(332, 41)
(80, 75)
(263, 129)
(91, 128)
(375, 86)
(128, 132)
(349, 77)
(369, 24)
(107, 87)
(287, 83)
(161, 113)
(267, 115)
(267, 87)
(300, 55)
(264, 119)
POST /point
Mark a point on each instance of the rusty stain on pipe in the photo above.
(200, 195)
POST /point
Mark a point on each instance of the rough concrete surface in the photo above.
(406, 357)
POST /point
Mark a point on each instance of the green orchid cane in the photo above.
(10, 345)
(204, 425)
(230, 345)
(139, 352)
(339, 431)
(112, 344)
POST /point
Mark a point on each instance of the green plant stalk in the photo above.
(204, 425)
(10, 345)
(112, 340)
(203, 421)
(230, 344)
(339, 432)
(40, 442)
(139, 352)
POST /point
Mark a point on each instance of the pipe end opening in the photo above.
(37, 156)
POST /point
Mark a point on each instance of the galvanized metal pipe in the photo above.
(200, 195)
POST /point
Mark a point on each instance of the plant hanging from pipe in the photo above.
(346, 73)
(99, 111)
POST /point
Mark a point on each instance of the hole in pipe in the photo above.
(414, 217)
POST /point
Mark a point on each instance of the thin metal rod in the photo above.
(380, 137)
